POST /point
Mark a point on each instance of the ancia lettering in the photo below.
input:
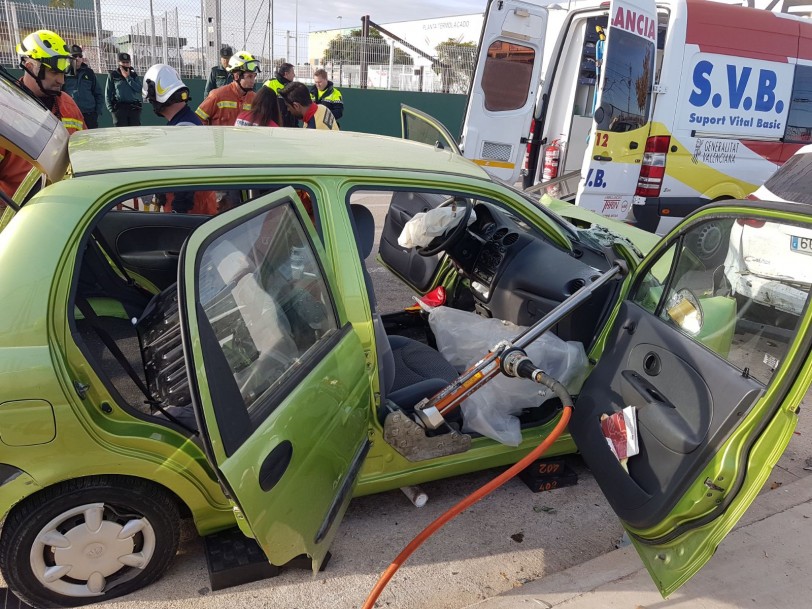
(634, 22)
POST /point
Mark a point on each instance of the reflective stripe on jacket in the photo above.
(330, 97)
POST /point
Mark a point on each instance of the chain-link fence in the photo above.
(156, 31)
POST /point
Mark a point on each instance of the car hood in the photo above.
(640, 239)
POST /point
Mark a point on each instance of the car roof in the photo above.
(150, 148)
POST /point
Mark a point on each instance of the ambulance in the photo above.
(656, 108)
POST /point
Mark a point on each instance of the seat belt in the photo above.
(93, 319)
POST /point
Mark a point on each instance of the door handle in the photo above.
(600, 157)
(633, 145)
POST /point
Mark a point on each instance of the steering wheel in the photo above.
(449, 238)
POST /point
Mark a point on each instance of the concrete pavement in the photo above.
(763, 563)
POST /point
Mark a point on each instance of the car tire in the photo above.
(709, 244)
(88, 540)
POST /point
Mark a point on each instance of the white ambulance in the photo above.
(684, 103)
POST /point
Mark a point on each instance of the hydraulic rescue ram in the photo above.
(505, 356)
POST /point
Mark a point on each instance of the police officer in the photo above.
(219, 75)
(123, 94)
(323, 92)
(284, 76)
(82, 86)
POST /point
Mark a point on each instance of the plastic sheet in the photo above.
(464, 338)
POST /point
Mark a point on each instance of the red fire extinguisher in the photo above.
(552, 154)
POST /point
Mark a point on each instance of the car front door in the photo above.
(280, 382)
(715, 379)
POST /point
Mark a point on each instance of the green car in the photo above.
(234, 368)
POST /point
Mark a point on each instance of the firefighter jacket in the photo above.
(85, 90)
(277, 84)
(319, 117)
(218, 77)
(13, 168)
(120, 90)
(330, 97)
(224, 105)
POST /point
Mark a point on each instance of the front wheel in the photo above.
(88, 540)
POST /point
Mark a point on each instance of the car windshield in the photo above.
(571, 230)
(792, 181)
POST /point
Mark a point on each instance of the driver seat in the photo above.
(409, 370)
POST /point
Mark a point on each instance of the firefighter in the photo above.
(224, 105)
(323, 92)
(284, 76)
(44, 58)
(219, 74)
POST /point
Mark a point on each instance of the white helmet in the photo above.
(160, 82)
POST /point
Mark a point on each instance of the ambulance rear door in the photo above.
(623, 109)
(505, 86)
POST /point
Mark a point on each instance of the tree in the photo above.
(455, 63)
(642, 85)
(347, 49)
(61, 4)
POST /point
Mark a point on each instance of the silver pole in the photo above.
(287, 45)
(202, 38)
(391, 64)
(165, 42)
(153, 54)
(273, 64)
(296, 40)
(97, 23)
(244, 33)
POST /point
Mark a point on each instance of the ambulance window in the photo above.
(507, 74)
(799, 121)
(626, 93)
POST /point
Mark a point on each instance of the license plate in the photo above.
(802, 245)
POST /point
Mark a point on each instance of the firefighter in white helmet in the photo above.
(169, 96)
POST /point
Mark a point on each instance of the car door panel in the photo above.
(148, 243)
(279, 380)
(417, 270)
(685, 411)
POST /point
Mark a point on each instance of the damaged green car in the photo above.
(234, 368)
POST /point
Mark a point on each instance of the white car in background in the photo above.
(772, 262)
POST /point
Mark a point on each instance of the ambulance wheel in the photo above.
(88, 540)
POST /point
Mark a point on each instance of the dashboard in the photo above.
(517, 273)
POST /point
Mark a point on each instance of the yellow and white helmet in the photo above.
(161, 82)
(243, 61)
(46, 47)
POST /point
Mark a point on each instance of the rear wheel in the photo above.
(88, 540)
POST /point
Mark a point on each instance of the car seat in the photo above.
(409, 370)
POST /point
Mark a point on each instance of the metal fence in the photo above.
(153, 31)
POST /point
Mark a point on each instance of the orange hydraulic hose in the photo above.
(467, 502)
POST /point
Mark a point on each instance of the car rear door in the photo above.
(504, 88)
(279, 376)
(623, 110)
(715, 380)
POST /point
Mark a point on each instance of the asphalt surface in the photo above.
(510, 538)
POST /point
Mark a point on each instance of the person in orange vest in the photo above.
(225, 104)
(44, 58)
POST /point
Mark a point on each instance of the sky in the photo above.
(324, 15)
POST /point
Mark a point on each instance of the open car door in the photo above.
(417, 126)
(278, 375)
(623, 107)
(31, 131)
(715, 378)
(505, 85)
